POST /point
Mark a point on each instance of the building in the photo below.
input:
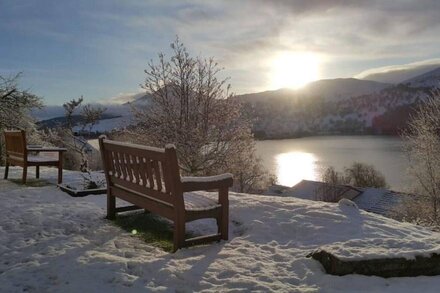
(376, 200)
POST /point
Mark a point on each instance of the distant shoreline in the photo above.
(258, 138)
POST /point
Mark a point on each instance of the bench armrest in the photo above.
(206, 183)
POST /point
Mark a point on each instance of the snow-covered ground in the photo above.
(51, 242)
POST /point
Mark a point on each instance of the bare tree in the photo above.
(331, 176)
(364, 175)
(91, 116)
(358, 174)
(77, 157)
(15, 107)
(422, 148)
(70, 108)
(250, 175)
(330, 190)
(193, 109)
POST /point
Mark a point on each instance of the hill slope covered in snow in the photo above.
(331, 106)
(50, 241)
(340, 106)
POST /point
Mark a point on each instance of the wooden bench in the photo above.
(149, 178)
(18, 153)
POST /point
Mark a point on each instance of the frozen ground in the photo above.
(51, 242)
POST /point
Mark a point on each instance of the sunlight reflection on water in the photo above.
(292, 167)
(306, 158)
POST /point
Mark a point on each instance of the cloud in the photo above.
(112, 40)
(399, 73)
(346, 31)
(408, 66)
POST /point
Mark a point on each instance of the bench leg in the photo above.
(111, 207)
(37, 172)
(60, 168)
(6, 170)
(219, 224)
(224, 218)
(23, 179)
(179, 233)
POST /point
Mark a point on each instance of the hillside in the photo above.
(331, 106)
(53, 242)
(340, 106)
(116, 115)
(76, 120)
(430, 79)
(328, 89)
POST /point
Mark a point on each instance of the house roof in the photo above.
(315, 190)
(377, 200)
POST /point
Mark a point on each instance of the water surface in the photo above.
(305, 158)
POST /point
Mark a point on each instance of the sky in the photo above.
(100, 48)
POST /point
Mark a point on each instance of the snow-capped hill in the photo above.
(266, 96)
(53, 242)
(428, 79)
(47, 112)
(115, 116)
(387, 111)
(143, 100)
(342, 88)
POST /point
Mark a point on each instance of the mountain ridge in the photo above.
(383, 110)
(329, 89)
(329, 106)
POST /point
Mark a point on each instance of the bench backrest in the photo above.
(146, 170)
(15, 143)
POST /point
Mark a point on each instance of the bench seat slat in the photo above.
(144, 202)
(41, 159)
(197, 202)
(202, 239)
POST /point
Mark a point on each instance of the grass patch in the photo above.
(32, 182)
(149, 227)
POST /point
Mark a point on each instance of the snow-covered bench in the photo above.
(19, 153)
(149, 178)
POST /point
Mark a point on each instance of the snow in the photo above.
(198, 202)
(207, 178)
(51, 242)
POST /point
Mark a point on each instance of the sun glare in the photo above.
(292, 167)
(294, 70)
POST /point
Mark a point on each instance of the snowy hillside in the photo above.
(332, 106)
(122, 114)
(116, 116)
(430, 79)
(50, 241)
(384, 112)
(335, 90)
(332, 90)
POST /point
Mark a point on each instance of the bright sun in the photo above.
(294, 70)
